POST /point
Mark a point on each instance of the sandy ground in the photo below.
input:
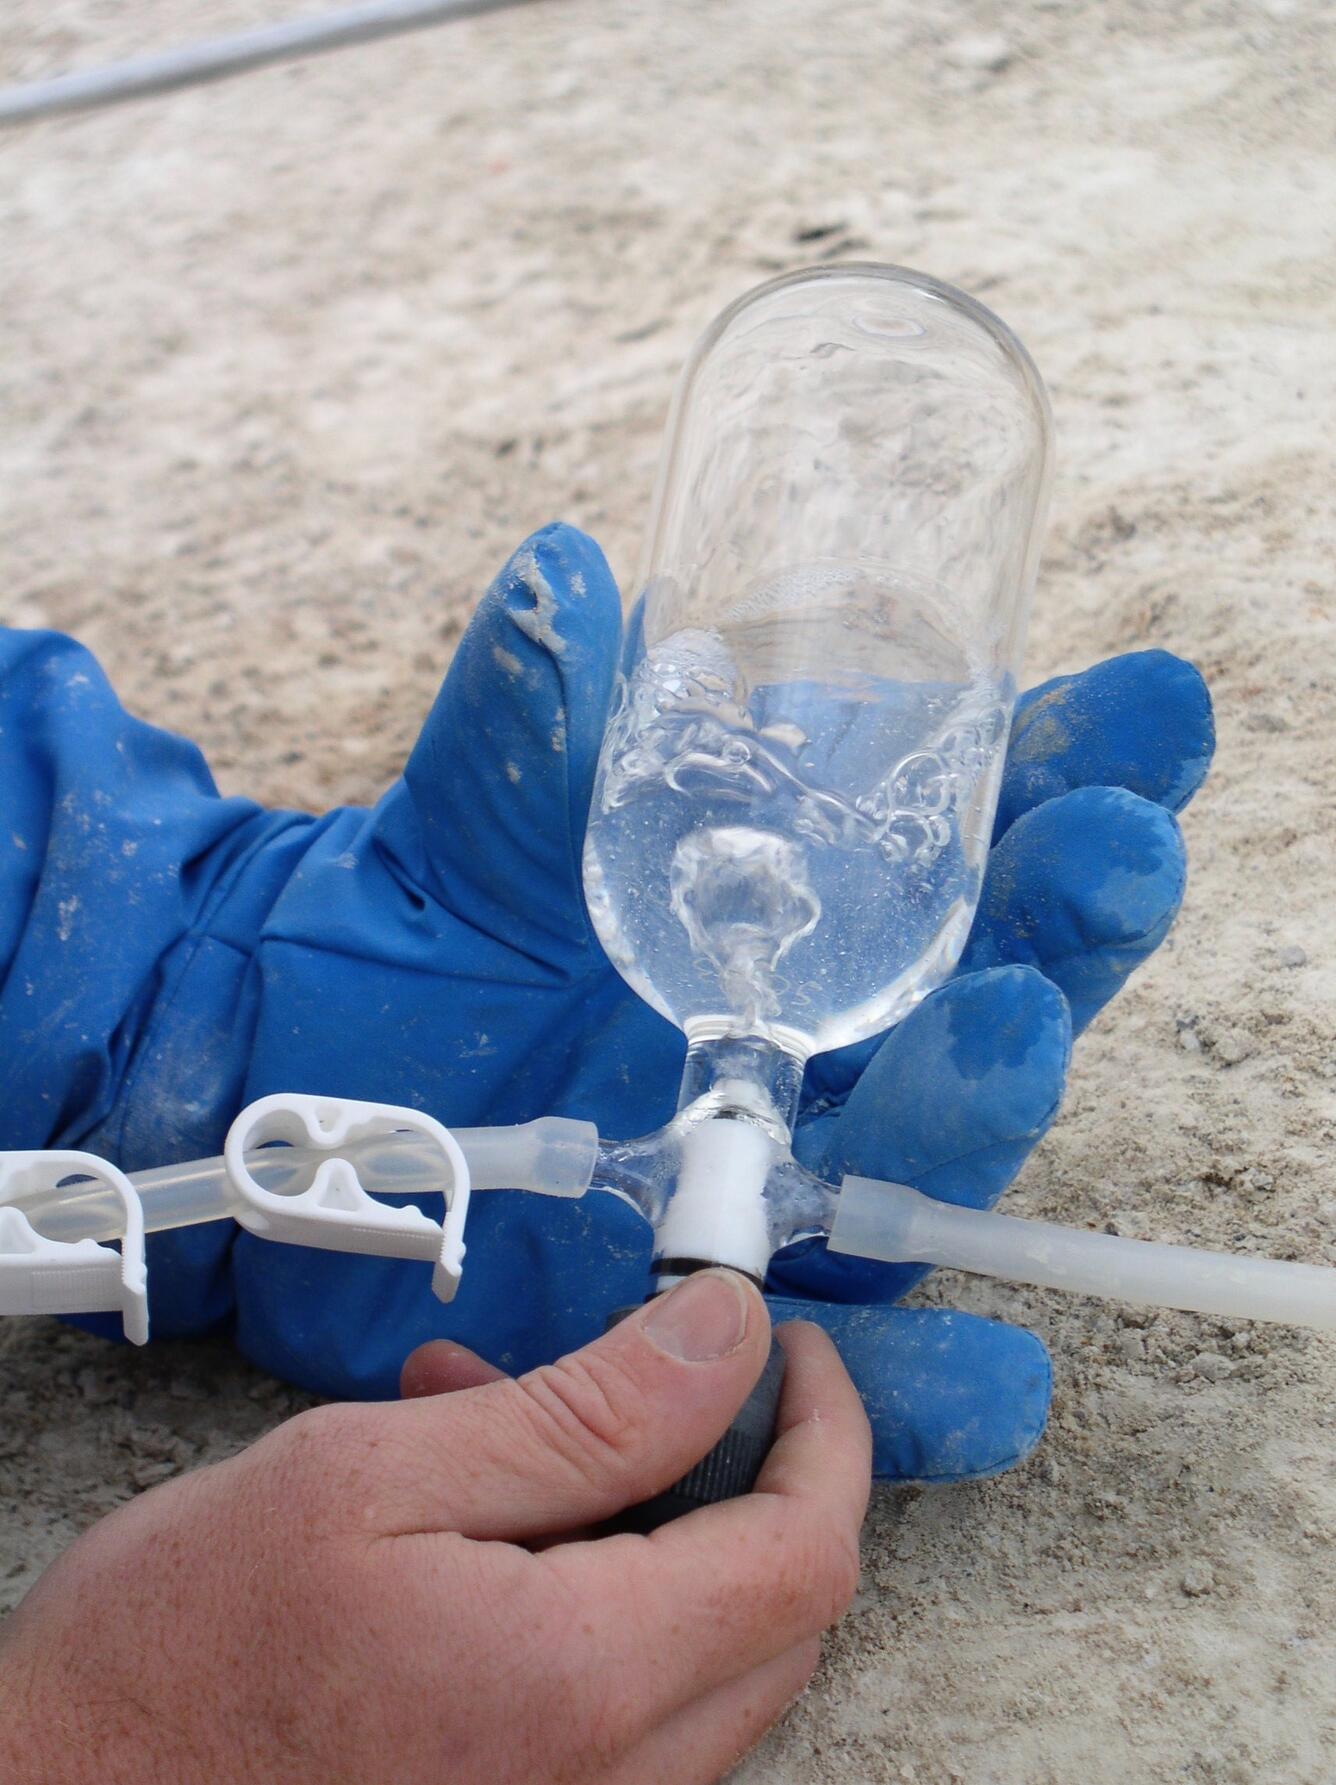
(292, 363)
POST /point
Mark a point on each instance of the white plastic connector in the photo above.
(81, 1276)
(333, 1211)
(717, 1213)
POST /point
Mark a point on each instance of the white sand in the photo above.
(291, 364)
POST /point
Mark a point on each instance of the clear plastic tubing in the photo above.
(798, 779)
(552, 1156)
(900, 1225)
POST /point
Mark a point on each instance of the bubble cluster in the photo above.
(682, 721)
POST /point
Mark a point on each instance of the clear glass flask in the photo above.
(797, 784)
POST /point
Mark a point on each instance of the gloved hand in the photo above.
(171, 955)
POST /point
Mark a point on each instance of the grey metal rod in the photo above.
(218, 57)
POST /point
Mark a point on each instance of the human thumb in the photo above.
(604, 1428)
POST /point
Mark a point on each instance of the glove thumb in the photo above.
(498, 785)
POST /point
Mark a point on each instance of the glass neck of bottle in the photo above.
(746, 1076)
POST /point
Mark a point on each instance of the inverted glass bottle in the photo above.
(797, 784)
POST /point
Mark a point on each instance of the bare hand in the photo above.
(404, 1594)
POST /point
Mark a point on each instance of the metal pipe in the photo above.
(217, 58)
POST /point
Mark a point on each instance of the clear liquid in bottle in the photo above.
(793, 858)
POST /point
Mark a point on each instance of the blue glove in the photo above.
(167, 955)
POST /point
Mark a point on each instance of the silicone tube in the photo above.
(900, 1225)
(553, 1156)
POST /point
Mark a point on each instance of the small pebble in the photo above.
(147, 1475)
(1291, 956)
(154, 1442)
(1129, 1224)
(1105, 1504)
(1198, 1579)
(1211, 1367)
(987, 52)
(1233, 1045)
(1131, 1346)
(94, 1386)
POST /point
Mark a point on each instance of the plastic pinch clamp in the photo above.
(333, 1211)
(42, 1276)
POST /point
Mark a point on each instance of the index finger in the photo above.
(822, 1454)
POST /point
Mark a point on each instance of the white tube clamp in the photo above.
(43, 1276)
(332, 1210)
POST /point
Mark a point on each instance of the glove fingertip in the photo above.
(1186, 700)
(1085, 888)
(1011, 1016)
(499, 781)
(551, 615)
(1142, 720)
(560, 616)
(557, 588)
(979, 1064)
(949, 1396)
(952, 1104)
(1022, 1375)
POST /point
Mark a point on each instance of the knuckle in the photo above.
(318, 1456)
(588, 1413)
(313, 1438)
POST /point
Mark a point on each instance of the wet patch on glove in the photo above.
(1140, 721)
(1084, 888)
(952, 1103)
